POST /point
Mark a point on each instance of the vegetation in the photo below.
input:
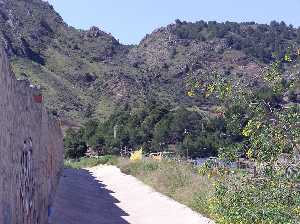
(88, 74)
(253, 200)
(211, 99)
(269, 127)
(88, 162)
(154, 128)
(259, 125)
(75, 147)
(177, 180)
(264, 42)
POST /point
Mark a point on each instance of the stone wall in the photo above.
(31, 151)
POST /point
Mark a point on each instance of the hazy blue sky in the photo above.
(130, 20)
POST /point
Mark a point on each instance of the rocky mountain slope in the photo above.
(86, 74)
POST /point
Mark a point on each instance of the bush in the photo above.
(248, 200)
(75, 146)
(139, 167)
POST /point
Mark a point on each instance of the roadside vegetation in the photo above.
(270, 131)
(154, 127)
(178, 180)
(260, 126)
(88, 162)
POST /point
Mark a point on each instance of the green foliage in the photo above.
(204, 145)
(265, 42)
(257, 118)
(75, 147)
(154, 127)
(137, 167)
(248, 200)
(263, 127)
(85, 162)
(267, 140)
(86, 74)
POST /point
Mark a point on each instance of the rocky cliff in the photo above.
(31, 151)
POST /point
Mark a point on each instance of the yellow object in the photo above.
(297, 210)
(251, 127)
(209, 90)
(137, 155)
(157, 157)
(287, 58)
(249, 153)
(191, 93)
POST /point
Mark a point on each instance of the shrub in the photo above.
(247, 200)
(264, 129)
(139, 167)
(75, 146)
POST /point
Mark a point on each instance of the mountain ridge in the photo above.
(87, 73)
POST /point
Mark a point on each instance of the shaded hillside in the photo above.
(79, 71)
(87, 73)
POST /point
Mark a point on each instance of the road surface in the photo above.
(104, 195)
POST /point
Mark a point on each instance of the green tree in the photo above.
(267, 129)
(75, 146)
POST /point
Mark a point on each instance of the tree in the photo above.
(75, 146)
(267, 129)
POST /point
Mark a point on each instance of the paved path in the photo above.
(103, 195)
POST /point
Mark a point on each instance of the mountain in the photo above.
(87, 73)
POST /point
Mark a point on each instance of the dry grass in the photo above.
(177, 180)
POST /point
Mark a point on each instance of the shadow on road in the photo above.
(81, 199)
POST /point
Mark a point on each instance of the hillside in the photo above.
(87, 73)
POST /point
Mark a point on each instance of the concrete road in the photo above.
(104, 195)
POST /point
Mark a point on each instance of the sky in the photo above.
(130, 20)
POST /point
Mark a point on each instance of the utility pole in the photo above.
(115, 131)
(187, 147)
